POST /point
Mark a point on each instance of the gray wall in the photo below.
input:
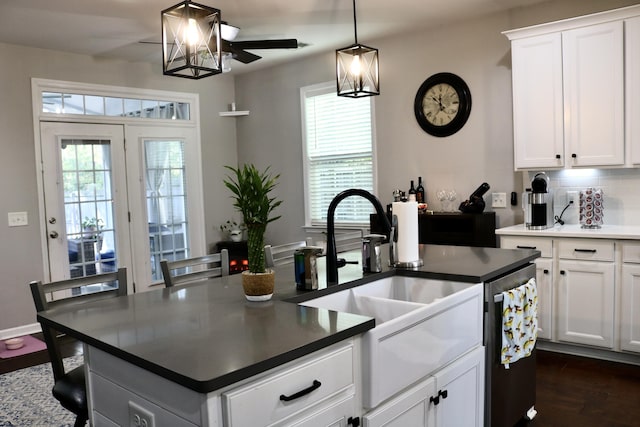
(482, 151)
(20, 247)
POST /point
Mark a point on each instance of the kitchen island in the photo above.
(204, 338)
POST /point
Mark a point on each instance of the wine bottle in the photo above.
(412, 192)
(421, 197)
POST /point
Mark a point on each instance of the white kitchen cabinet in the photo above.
(569, 92)
(632, 88)
(453, 396)
(593, 67)
(630, 298)
(544, 277)
(586, 290)
(538, 117)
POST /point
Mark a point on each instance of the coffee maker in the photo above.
(539, 206)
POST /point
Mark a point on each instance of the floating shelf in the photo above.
(234, 113)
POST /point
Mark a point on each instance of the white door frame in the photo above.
(38, 86)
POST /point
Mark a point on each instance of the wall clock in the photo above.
(442, 104)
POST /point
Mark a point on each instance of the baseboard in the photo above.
(19, 331)
(594, 353)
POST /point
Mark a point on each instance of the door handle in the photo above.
(54, 234)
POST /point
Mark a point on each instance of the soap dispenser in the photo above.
(371, 247)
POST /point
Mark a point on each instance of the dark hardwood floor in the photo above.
(571, 391)
(575, 391)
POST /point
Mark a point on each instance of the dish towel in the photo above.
(519, 322)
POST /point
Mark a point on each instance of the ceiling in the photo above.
(114, 28)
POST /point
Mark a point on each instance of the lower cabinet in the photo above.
(544, 284)
(453, 396)
(630, 308)
(585, 303)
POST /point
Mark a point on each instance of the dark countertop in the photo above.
(207, 336)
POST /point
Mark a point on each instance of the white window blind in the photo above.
(338, 150)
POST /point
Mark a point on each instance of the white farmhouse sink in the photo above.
(421, 325)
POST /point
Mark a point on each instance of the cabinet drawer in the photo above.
(586, 249)
(544, 245)
(109, 398)
(631, 252)
(261, 402)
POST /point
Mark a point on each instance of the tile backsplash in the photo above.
(621, 189)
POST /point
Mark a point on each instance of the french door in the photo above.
(108, 207)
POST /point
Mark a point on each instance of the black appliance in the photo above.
(510, 393)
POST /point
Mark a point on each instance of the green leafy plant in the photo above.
(92, 226)
(251, 190)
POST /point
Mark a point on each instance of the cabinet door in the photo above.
(593, 67)
(630, 308)
(537, 101)
(461, 389)
(411, 408)
(544, 283)
(585, 302)
(632, 87)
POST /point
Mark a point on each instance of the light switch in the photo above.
(18, 219)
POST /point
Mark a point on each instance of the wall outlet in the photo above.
(498, 200)
(140, 417)
(572, 196)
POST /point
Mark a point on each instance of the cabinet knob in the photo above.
(562, 272)
(545, 271)
(353, 421)
(558, 156)
(574, 155)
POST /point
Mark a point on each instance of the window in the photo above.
(337, 135)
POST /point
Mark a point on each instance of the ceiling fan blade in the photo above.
(244, 56)
(266, 44)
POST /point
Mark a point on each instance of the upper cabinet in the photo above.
(569, 92)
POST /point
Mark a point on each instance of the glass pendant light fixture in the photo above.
(191, 41)
(357, 68)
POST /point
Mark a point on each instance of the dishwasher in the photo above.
(510, 393)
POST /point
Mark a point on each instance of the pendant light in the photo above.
(191, 41)
(357, 68)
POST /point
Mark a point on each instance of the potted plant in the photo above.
(92, 230)
(251, 190)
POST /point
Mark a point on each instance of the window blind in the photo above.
(338, 151)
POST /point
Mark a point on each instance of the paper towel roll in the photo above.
(407, 231)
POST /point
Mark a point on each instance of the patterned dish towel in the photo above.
(519, 322)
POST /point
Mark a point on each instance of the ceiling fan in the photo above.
(238, 49)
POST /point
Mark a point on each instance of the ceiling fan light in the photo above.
(191, 40)
(229, 32)
(357, 71)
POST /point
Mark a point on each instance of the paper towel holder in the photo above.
(393, 249)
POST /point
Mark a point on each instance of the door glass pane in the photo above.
(88, 206)
(166, 202)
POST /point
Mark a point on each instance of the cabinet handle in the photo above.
(353, 421)
(443, 393)
(316, 384)
(525, 247)
(434, 399)
(591, 251)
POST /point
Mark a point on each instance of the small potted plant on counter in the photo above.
(251, 190)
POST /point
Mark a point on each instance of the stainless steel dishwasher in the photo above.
(510, 393)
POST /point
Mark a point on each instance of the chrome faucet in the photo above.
(332, 257)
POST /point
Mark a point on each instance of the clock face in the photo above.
(442, 104)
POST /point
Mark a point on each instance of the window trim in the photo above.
(320, 89)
